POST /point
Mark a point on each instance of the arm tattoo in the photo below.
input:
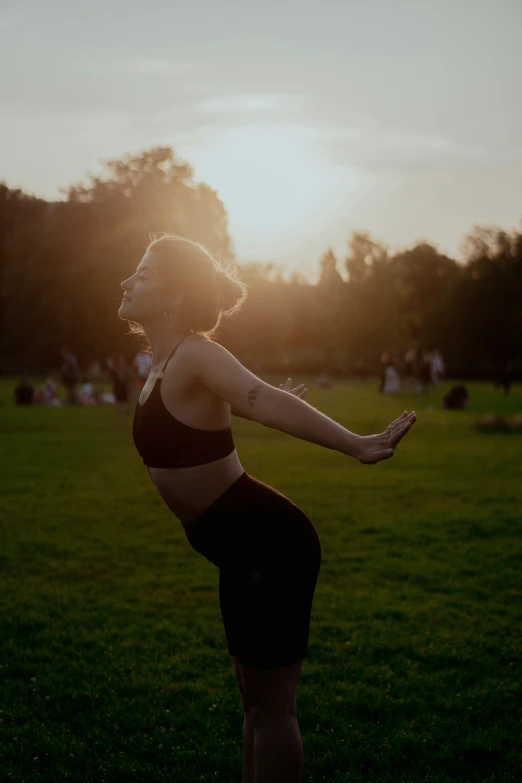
(252, 394)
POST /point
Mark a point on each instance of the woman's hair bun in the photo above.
(232, 291)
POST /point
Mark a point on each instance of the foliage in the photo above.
(62, 264)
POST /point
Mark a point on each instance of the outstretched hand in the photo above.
(374, 448)
(299, 391)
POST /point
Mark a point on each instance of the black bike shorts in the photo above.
(269, 555)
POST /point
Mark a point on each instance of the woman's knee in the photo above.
(270, 693)
(237, 673)
(262, 717)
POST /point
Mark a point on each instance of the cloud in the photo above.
(144, 85)
(247, 103)
(402, 151)
(146, 65)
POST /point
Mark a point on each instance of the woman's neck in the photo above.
(162, 339)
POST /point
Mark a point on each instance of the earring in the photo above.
(165, 315)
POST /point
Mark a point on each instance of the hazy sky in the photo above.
(310, 119)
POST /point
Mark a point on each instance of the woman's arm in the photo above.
(300, 419)
(254, 399)
(300, 391)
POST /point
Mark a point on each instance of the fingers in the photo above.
(401, 418)
(381, 447)
(299, 391)
(400, 431)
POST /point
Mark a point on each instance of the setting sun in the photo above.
(272, 179)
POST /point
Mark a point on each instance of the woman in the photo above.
(267, 549)
(121, 378)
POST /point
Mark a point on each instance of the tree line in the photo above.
(61, 264)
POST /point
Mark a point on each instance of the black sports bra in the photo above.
(164, 442)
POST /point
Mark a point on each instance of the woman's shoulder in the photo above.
(192, 343)
(185, 357)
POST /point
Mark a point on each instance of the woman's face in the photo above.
(144, 293)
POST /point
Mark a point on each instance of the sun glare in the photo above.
(272, 180)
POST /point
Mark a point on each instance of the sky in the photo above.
(310, 119)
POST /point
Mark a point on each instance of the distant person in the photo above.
(410, 369)
(324, 381)
(390, 380)
(24, 392)
(142, 362)
(47, 394)
(425, 378)
(456, 399)
(70, 375)
(385, 359)
(266, 548)
(86, 393)
(508, 373)
(437, 367)
(121, 378)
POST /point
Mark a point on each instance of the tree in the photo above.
(64, 261)
(155, 192)
(331, 294)
(363, 255)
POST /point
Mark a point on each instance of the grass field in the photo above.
(113, 661)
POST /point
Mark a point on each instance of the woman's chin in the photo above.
(125, 312)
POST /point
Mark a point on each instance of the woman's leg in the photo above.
(248, 729)
(271, 699)
(268, 554)
(272, 744)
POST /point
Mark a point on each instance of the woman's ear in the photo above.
(171, 304)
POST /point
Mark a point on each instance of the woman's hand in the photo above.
(374, 448)
(299, 391)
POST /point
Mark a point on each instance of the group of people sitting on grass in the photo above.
(85, 389)
(47, 394)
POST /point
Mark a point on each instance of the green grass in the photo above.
(113, 658)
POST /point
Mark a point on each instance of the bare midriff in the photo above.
(190, 491)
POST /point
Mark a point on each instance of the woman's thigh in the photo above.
(269, 556)
(266, 609)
